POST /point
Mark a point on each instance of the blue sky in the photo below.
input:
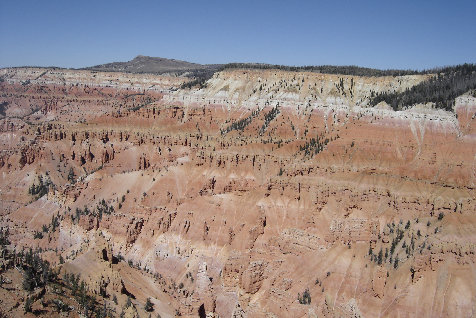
(382, 34)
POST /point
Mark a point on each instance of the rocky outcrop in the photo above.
(107, 155)
(28, 154)
(89, 222)
(134, 229)
(252, 277)
(354, 230)
(232, 270)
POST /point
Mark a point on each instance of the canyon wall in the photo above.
(265, 194)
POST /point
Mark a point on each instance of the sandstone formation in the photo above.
(266, 194)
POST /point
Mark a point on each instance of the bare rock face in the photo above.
(100, 276)
(130, 312)
(257, 230)
(89, 222)
(354, 230)
(103, 249)
(233, 270)
(133, 230)
(266, 194)
(252, 277)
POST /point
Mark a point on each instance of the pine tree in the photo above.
(379, 258)
(149, 306)
(28, 304)
(71, 176)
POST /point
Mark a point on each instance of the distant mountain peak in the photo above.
(149, 64)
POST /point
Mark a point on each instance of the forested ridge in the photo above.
(442, 89)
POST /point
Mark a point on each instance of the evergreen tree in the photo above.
(71, 176)
(149, 306)
(28, 304)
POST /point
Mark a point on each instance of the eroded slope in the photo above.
(268, 193)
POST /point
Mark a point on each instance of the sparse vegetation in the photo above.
(40, 189)
(268, 118)
(314, 146)
(101, 208)
(241, 124)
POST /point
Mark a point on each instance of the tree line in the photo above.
(326, 69)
